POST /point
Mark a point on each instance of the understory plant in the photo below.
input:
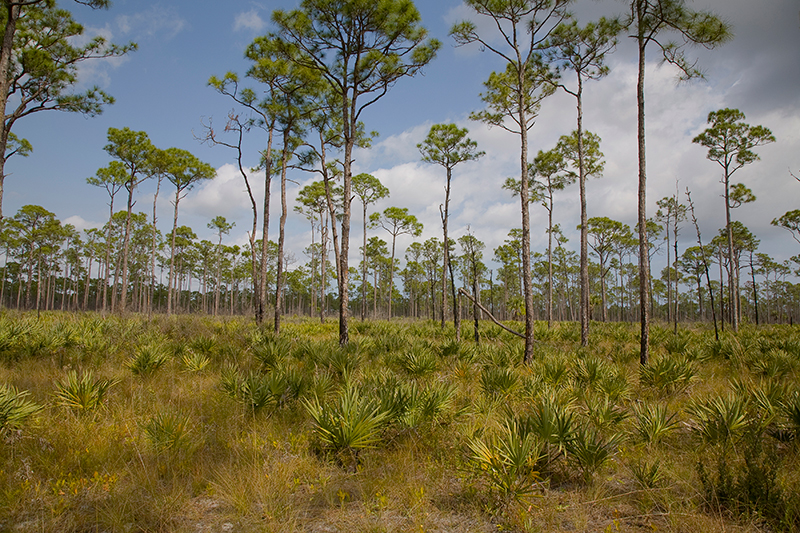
(15, 408)
(346, 424)
(507, 459)
(82, 393)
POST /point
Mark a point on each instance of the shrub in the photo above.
(590, 450)
(603, 413)
(194, 361)
(719, 420)
(508, 460)
(555, 370)
(347, 424)
(271, 353)
(552, 420)
(590, 371)
(167, 431)
(257, 391)
(82, 393)
(651, 423)
(15, 409)
(418, 361)
(669, 374)
(498, 381)
(147, 359)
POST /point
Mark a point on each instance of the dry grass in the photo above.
(234, 470)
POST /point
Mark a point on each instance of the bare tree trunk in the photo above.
(12, 14)
(152, 290)
(446, 259)
(644, 270)
(281, 237)
(126, 249)
(733, 297)
(584, 244)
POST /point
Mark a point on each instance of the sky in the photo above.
(162, 89)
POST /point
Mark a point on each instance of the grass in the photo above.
(197, 423)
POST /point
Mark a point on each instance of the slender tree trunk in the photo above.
(584, 244)
(332, 210)
(281, 237)
(3, 282)
(107, 271)
(390, 289)
(456, 308)
(644, 270)
(669, 273)
(375, 293)
(38, 284)
(324, 270)
(171, 277)
(526, 225)
(153, 252)
(475, 291)
(347, 193)
(550, 262)
(12, 15)
(675, 268)
(363, 265)
(733, 297)
(603, 311)
(261, 301)
(86, 286)
(218, 276)
(755, 287)
(446, 254)
(126, 248)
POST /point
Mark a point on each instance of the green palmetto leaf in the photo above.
(590, 450)
(167, 431)
(82, 393)
(791, 409)
(147, 359)
(15, 409)
(720, 420)
(350, 422)
(508, 460)
(194, 361)
(651, 422)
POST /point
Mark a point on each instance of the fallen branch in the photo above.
(490, 315)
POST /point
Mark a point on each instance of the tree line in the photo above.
(313, 77)
(49, 265)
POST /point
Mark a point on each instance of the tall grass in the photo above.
(197, 423)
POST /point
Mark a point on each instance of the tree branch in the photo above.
(490, 315)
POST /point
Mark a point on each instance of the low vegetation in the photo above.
(190, 423)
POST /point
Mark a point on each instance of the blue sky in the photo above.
(161, 89)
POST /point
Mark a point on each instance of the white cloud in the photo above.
(249, 20)
(224, 195)
(157, 21)
(81, 224)
(675, 114)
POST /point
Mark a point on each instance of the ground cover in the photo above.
(196, 424)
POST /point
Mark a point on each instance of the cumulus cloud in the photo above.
(80, 223)
(249, 20)
(675, 114)
(225, 195)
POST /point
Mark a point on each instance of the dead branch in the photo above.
(490, 315)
